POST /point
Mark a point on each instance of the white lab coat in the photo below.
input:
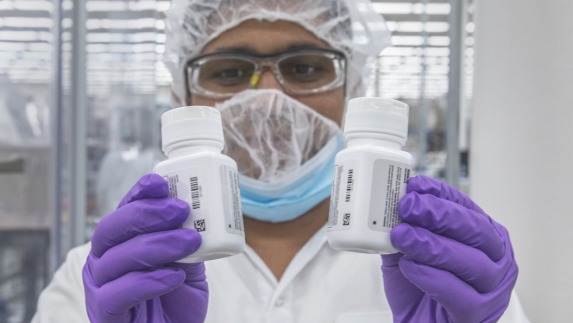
(321, 285)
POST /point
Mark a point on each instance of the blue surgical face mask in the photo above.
(284, 150)
(297, 194)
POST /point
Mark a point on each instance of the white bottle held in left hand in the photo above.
(198, 173)
(370, 176)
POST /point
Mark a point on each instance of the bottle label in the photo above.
(388, 187)
(340, 214)
(231, 200)
(188, 186)
(385, 186)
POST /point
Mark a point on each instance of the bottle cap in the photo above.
(191, 123)
(376, 116)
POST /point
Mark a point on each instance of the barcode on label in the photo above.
(195, 194)
(199, 225)
(349, 184)
(172, 185)
(346, 219)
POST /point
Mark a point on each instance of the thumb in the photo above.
(402, 295)
(391, 260)
(148, 186)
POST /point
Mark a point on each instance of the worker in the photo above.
(270, 66)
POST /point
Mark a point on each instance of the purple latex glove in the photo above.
(130, 274)
(455, 263)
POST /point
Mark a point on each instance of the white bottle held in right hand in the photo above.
(370, 176)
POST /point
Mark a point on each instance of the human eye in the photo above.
(226, 72)
(229, 76)
(307, 68)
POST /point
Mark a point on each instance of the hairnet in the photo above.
(351, 26)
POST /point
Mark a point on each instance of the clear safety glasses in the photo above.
(308, 71)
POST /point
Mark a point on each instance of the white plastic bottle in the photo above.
(370, 176)
(198, 173)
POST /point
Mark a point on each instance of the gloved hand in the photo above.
(455, 263)
(130, 274)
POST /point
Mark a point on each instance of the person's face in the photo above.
(263, 38)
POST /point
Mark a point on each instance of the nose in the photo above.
(268, 80)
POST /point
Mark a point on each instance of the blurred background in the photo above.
(82, 87)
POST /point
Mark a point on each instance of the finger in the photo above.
(144, 252)
(426, 185)
(452, 220)
(469, 264)
(442, 286)
(148, 186)
(195, 271)
(119, 296)
(139, 217)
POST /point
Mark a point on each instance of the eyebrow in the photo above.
(246, 49)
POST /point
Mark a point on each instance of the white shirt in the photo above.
(320, 285)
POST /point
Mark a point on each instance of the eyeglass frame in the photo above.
(261, 63)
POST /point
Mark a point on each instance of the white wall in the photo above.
(522, 142)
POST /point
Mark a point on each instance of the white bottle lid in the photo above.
(192, 123)
(371, 115)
